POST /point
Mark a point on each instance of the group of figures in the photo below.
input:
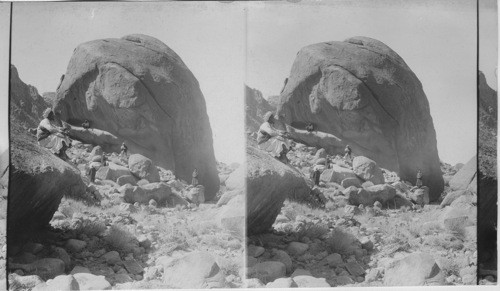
(56, 138)
(278, 143)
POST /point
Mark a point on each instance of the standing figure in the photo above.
(419, 182)
(124, 149)
(103, 160)
(347, 155)
(91, 173)
(51, 136)
(86, 124)
(194, 182)
(317, 170)
(271, 139)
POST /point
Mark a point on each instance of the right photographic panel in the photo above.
(362, 143)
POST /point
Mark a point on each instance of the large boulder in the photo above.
(139, 90)
(269, 183)
(466, 177)
(367, 170)
(362, 93)
(38, 181)
(143, 168)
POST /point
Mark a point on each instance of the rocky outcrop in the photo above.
(362, 93)
(255, 108)
(269, 182)
(38, 181)
(139, 90)
(26, 105)
(466, 178)
(487, 174)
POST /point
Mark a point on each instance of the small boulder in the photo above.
(126, 179)
(348, 182)
(23, 282)
(297, 248)
(282, 256)
(320, 154)
(96, 151)
(416, 269)
(196, 194)
(143, 168)
(227, 196)
(268, 271)
(336, 174)
(255, 251)
(368, 196)
(112, 257)
(282, 283)
(111, 172)
(367, 170)
(305, 281)
(420, 196)
(62, 283)
(75, 245)
(195, 270)
(89, 281)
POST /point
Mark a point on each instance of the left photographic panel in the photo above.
(4, 141)
(126, 126)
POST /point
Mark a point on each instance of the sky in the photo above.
(227, 45)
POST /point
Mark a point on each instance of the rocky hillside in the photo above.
(26, 105)
(362, 226)
(139, 90)
(136, 226)
(488, 181)
(49, 97)
(255, 108)
(362, 93)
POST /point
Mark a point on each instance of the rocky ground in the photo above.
(398, 238)
(128, 233)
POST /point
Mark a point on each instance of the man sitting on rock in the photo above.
(271, 139)
(86, 124)
(310, 127)
(282, 156)
(51, 136)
